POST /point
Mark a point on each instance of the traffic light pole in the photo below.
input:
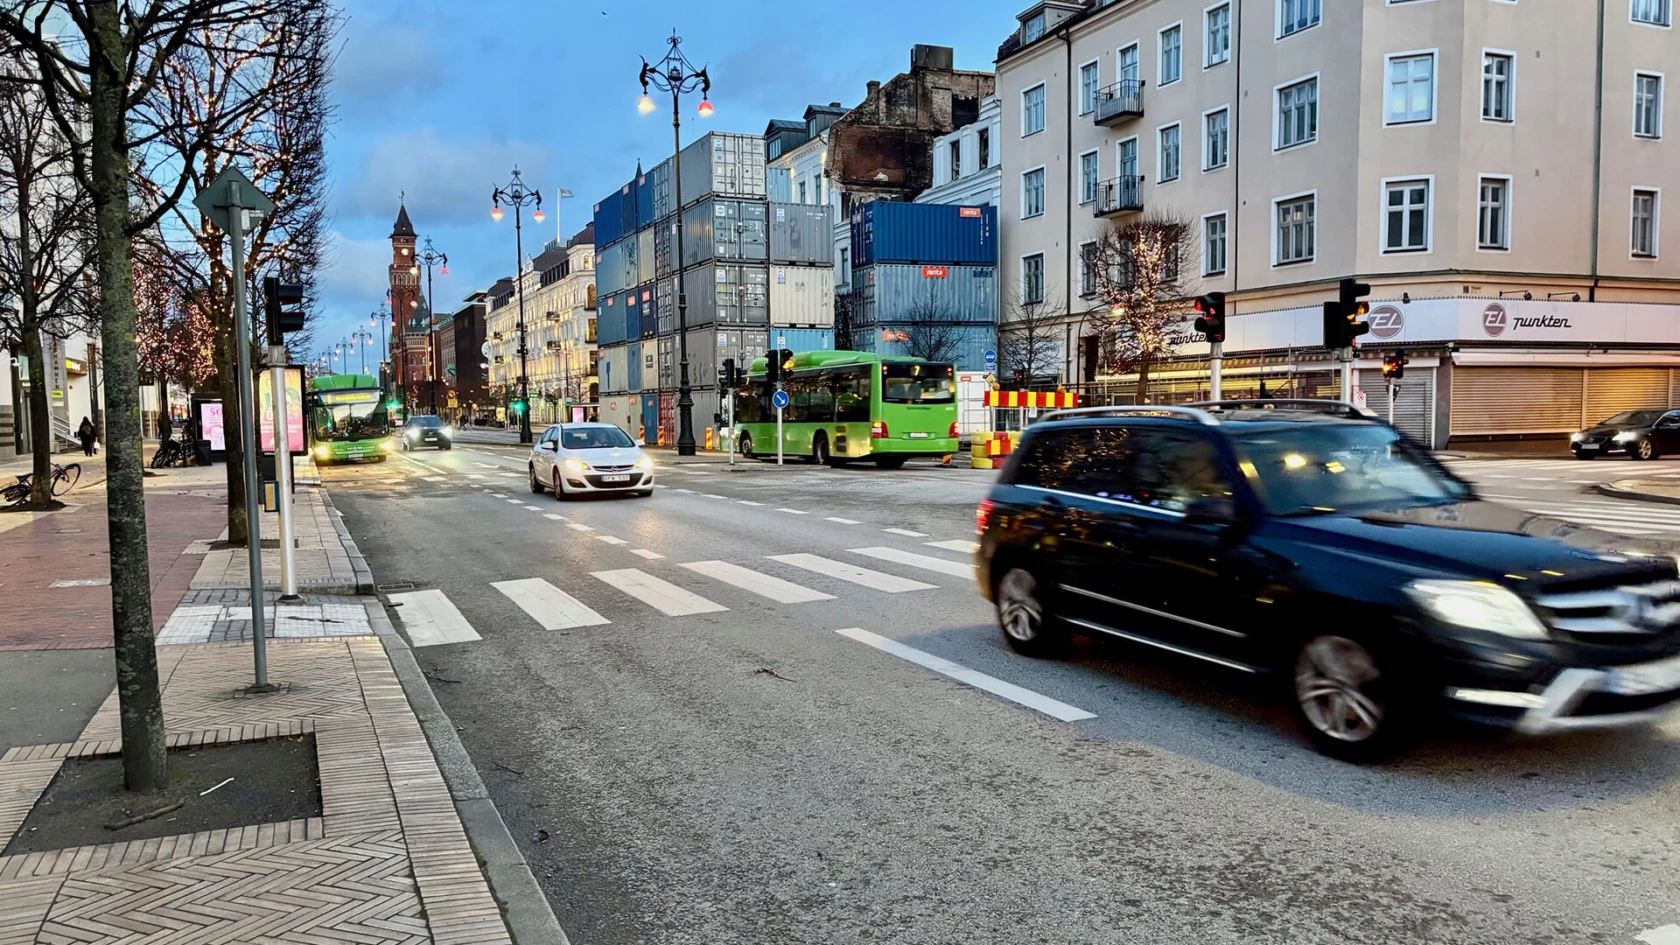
(1345, 355)
(1216, 360)
(249, 445)
(277, 372)
(1392, 392)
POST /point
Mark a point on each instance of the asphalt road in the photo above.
(782, 771)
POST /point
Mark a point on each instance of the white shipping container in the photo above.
(802, 295)
(615, 369)
(644, 257)
(652, 365)
(616, 409)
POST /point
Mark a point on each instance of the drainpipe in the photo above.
(1067, 159)
(1598, 152)
(1233, 245)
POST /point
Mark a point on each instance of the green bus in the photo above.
(348, 419)
(846, 406)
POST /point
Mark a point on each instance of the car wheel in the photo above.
(890, 462)
(536, 484)
(819, 450)
(446, 446)
(1027, 624)
(1344, 700)
(559, 487)
(746, 446)
(1645, 449)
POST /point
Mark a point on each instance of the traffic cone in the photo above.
(947, 461)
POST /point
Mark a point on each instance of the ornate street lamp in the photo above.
(375, 318)
(517, 195)
(675, 74)
(430, 257)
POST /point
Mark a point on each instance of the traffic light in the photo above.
(1343, 317)
(726, 376)
(1210, 316)
(772, 367)
(785, 356)
(283, 306)
(1394, 366)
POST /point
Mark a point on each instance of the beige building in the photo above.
(1483, 163)
(559, 287)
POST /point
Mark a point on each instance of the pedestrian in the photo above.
(85, 433)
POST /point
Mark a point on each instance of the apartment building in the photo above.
(1494, 168)
(560, 344)
(967, 170)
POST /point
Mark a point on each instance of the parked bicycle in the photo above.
(64, 479)
(172, 453)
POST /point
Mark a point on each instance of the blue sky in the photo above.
(441, 101)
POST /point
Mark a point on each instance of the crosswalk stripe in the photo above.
(1054, 708)
(747, 502)
(905, 532)
(773, 588)
(515, 501)
(532, 508)
(842, 521)
(611, 540)
(793, 511)
(644, 553)
(554, 517)
(548, 605)
(579, 527)
(877, 580)
(1609, 524)
(663, 596)
(432, 619)
(925, 562)
(713, 495)
(958, 544)
(1636, 510)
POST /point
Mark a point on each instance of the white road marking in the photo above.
(548, 605)
(1039, 702)
(611, 540)
(87, 582)
(905, 532)
(486, 465)
(926, 562)
(711, 495)
(660, 485)
(475, 475)
(643, 552)
(516, 501)
(433, 478)
(689, 491)
(663, 596)
(890, 583)
(793, 512)
(431, 619)
(496, 495)
(773, 588)
(579, 527)
(1666, 935)
(843, 521)
(532, 508)
(554, 517)
(748, 502)
(958, 544)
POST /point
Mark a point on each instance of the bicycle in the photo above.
(171, 453)
(64, 478)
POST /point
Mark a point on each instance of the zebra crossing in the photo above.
(1635, 519)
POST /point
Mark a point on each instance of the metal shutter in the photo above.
(1612, 390)
(1414, 405)
(1493, 400)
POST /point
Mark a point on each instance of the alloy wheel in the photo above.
(1334, 682)
(1645, 449)
(1019, 610)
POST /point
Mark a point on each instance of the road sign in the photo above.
(779, 400)
(232, 189)
(991, 360)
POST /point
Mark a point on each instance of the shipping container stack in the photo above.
(747, 265)
(925, 272)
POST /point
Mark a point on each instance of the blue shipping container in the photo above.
(779, 182)
(628, 207)
(924, 233)
(802, 339)
(644, 200)
(650, 415)
(609, 219)
(616, 266)
(965, 347)
(891, 293)
(633, 361)
(610, 325)
(649, 309)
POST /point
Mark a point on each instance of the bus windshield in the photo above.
(918, 384)
(352, 421)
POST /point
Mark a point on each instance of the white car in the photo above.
(582, 458)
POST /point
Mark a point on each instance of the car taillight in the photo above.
(952, 433)
(878, 430)
(983, 516)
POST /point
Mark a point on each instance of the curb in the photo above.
(1609, 489)
(358, 563)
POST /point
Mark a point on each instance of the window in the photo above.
(1218, 35)
(1172, 54)
(845, 265)
(1167, 168)
(1493, 213)
(1032, 110)
(1411, 88)
(1645, 223)
(1088, 269)
(983, 144)
(1088, 173)
(1216, 139)
(1088, 78)
(1654, 12)
(956, 159)
(1032, 29)
(1032, 278)
(1406, 216)
(1297, 15)
(1032, 193)
(1127, 69)
(1496, 86)
(1297, 225)
(1297, 113)
(1647, 105)
(1126, 158)
(801, 191)
(1213, 245)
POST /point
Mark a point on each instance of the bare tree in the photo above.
(1027, 335)
(1141, 267)
(930, 329)
(105, 61)
(46, 249)
(844, 322)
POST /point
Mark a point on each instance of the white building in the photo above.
(798, 151)
(967, 169)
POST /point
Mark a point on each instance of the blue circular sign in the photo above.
(990, 356)
(779, 399)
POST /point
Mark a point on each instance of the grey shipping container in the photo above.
(724, 164)
(802, 295)
(665, 361)
(644, 257)
(724, 229)
(963, 345)
(616, 268)
(664, 204)
(801, 233)
(707, 347)
(666, 305)
(728, 294)
(892, 293)
(778, 184)
(664, 248)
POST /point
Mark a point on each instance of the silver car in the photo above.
(582, 458)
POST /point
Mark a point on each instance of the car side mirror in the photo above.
(547, 445)
(640, 441)
(1211, 510)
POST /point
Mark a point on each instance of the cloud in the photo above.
(355, 272)
(444, 181)
(382, 62)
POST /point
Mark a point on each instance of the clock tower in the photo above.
(405, 300)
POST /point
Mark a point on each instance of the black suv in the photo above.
(1641, 434)
(427, 430)
(1308, 540)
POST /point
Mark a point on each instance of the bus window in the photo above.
(851, 395)
(918, 384)
(820, 399)
(748, 405)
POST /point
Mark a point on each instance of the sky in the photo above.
(439, 102)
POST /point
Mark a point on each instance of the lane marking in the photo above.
(431, 619)
(554, 517)
(891, 583)
(660, 485)
(843, 521)
(643, 552)
(532, 508)
(772, 588)
(611, 540)
(516, 501)
(905, 532)
(548, 605)
(748, 502)
(663, 596)
(793, 512)
(711, 495)
(579, 527)
(689, 491)
(1039, 702)
(475, 475)
(496, 495)
(1666, 935)
(925, 562)
(956, 544)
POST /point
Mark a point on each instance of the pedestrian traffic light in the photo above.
(1343, 318)
(1210, 318)
(772, 367)
(283, 306)
(1394, 366)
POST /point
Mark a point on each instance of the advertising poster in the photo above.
(294, 410)
(210, 425)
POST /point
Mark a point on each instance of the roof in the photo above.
(832, 108)
(402, 227)
(783, 124)
(552, 255)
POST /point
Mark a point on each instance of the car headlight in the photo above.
(386, 446)
(449, 432)
(576, 466)
(1574, 437)
(321, 449)
(1627, 436)
(1479, 605)
(646, 462)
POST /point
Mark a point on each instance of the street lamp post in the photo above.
(430, 257)
(379, 315)
(366, 338)
(675, 74)
(517, 195)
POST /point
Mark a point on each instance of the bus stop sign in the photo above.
(779, 400)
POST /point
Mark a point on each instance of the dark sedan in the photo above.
(1640, 434)
(427, 430)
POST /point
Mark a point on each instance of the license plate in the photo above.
(615, 478)
(1589, 446)
(1644, 678)
(919, 435)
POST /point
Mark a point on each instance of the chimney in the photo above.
(931, 57)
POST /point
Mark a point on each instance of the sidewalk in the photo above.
(385, 857)
(1665, 491)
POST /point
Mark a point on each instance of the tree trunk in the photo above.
(1142, 395)
(227, 382)
(139, 699)
(40, 415)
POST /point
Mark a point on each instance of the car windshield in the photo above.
(1633, 418)
(918, 384)
(427, 421)
(1336, 467)
(594, 438)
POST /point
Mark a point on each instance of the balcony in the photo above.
(554, 345)
(1119, 102)
(499, 359)
(552, 316)
(1119, 195)
(495, 336)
